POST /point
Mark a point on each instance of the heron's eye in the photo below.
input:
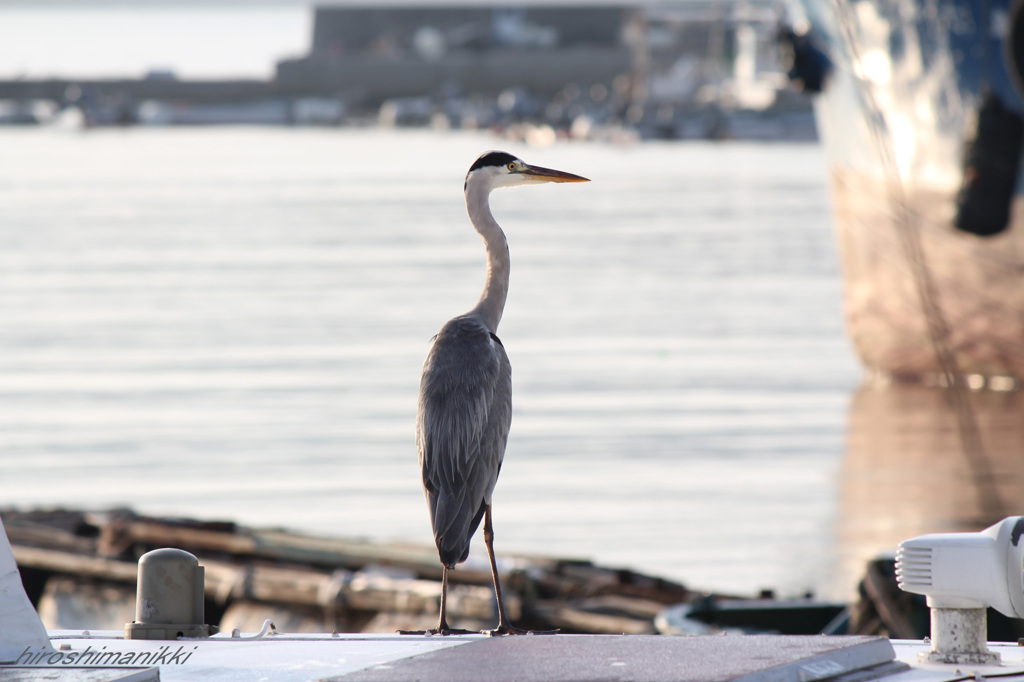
(511, 166)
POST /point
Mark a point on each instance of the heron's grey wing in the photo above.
(465, 409)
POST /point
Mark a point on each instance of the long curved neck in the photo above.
(492, 300)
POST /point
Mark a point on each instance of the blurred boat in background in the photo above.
(919, 106)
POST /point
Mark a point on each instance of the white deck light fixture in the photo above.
(962, 574)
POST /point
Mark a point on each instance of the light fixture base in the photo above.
(959, 636)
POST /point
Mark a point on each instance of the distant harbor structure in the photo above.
(670, 70)
(377, 53)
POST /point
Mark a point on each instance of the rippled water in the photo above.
(230, 323)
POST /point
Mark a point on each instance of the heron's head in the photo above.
(501, 169)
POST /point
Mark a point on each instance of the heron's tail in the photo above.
(453, 528)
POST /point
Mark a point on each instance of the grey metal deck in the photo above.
(592, 658)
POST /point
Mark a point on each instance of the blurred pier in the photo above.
(61, 89)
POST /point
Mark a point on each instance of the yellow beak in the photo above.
(550, 175)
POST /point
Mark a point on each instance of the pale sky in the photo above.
(122, 40)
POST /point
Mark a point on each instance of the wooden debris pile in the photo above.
(80, 570)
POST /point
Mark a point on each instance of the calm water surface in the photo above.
(230, 323)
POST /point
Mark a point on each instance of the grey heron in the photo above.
(465, 398)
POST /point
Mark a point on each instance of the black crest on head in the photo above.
(492, 159)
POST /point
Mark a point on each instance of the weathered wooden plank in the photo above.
(574, 618)
(53, 529)
(284, 546)
(576, 579)
(71, 563)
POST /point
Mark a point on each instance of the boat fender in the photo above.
(990, 166)
(807, 66)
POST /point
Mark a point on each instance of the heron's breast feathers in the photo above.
(465, 408)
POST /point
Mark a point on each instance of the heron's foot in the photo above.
(509, 629)
(452, 631)
(440, 631)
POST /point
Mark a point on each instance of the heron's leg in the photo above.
(504, 626)
(442, 623)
